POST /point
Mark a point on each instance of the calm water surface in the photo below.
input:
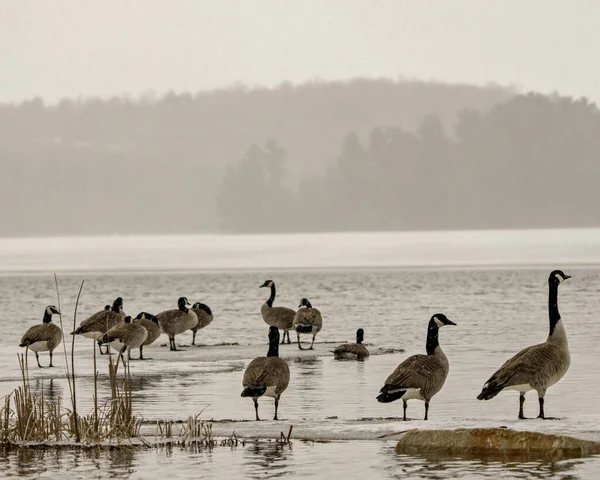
(497, 311)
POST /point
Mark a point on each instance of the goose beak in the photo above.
(449, 322)
(567, 277)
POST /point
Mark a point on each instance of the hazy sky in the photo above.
(67, 48)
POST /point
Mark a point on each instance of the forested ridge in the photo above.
(359, 155)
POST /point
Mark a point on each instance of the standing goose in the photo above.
(125, 336)
(174, 322)
(44, 337)
(99, 323)
(204, 315)
(280, 317)
(537, 367)
(352, 351)
(268, 375)
(150, 323)
(307, 320)
(419, 376)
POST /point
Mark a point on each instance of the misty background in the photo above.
(241, 147)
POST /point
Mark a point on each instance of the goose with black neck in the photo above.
(420, 377)
(280, 317)
(537, 367)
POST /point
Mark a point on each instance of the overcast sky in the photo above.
(69, 48)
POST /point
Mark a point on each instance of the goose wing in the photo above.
(414, 372)
(532, 366)
(267, 372)
(352, 348)
(37, 333)
(308, 316)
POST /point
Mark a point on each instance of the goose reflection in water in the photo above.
(267, 459)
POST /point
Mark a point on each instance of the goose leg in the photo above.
(287, 332)
(141, 353)
(276, 405)
(426, 409)
(313, 342)
(404, 406)
(299, 344)
(37, 357)
(256, 408)
(521, 403)
(193, 338)
(50, 359)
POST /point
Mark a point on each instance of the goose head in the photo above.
(127, 319)
(182, 303)
(268, 284)
(360, 335)
(106, 307)
(117, 305)
(557, 277)
(440, 320)
(147, 316)
(304, 303)
(50, 310)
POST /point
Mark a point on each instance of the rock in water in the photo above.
(502, 441)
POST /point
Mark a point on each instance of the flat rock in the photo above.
(502, 441)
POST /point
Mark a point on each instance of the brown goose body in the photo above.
(205, 317)
(307, 321)
(150, 323)
(177, 321)
(101, 322)
(125, 336)
(352, 351)
(280, 317)
(44, 337)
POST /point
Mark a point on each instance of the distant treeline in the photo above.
(359, 155)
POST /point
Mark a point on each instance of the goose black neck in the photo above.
(432, 337)
(116, 308)
(183, 308)
(273, 348)
(272, 297)
(553, 306)
(47, 317)
(307, 304)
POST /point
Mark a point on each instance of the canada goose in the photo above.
(174, 322)
(268, 375)
(307, 320)
(537, 367)
(204, 315)
(280, 317)
(353, 351)
(44, 337)
(150, 323)
(419, 376)
(99, 323)
(125, 336)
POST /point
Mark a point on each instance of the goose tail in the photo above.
(490, 390)
(253, 391)
(387, 395)
(304, 328)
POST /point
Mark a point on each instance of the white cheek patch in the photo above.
(438, 322)
(560, 278)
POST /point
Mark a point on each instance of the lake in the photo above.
(492, 284)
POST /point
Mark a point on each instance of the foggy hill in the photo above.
(156, 165)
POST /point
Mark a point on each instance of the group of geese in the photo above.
(420, 377)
